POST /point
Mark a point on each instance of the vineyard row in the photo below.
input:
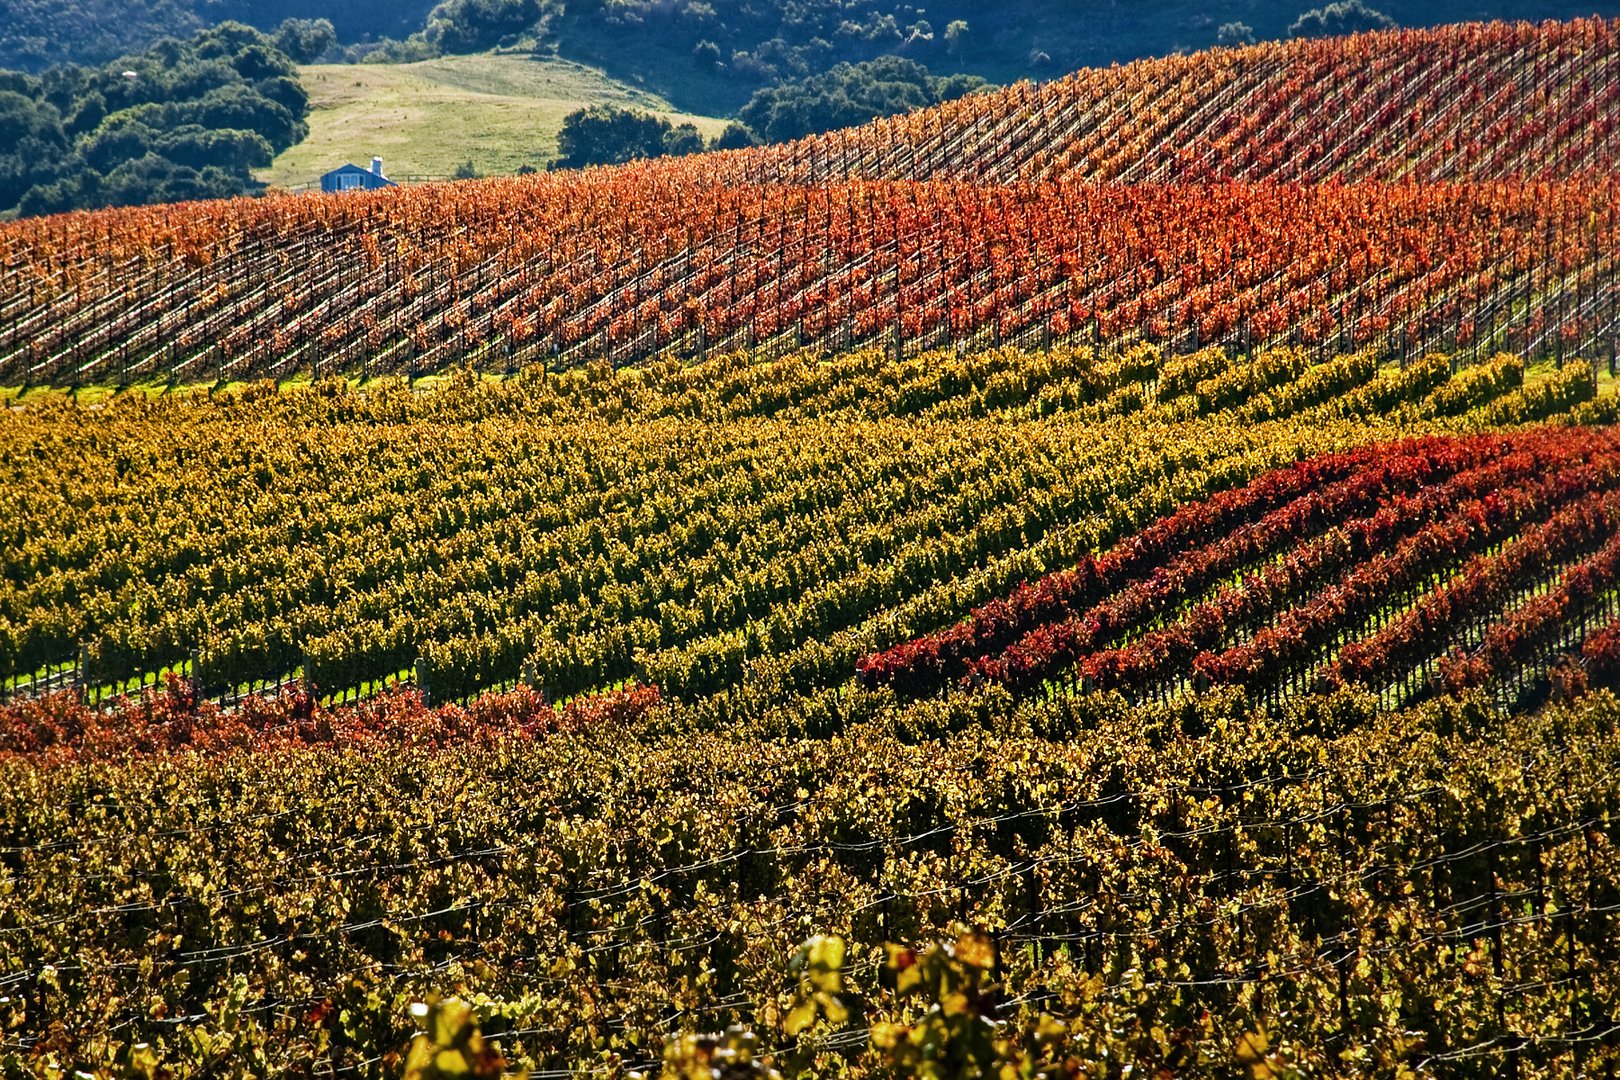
(593, 892)
(627, 266)
(755, 525)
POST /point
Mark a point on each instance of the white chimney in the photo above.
(376, 166)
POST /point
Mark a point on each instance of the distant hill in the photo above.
(708, 56)
(500, 112)
(35, 34)
(1471, 102)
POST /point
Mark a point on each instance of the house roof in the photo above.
(350, 167)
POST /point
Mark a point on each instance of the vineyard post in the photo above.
(1498, 915)
(84, 672)
(1596, 940)
(421, 675)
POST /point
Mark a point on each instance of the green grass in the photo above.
(501, 111)
(1606, 383)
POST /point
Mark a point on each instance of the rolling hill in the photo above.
(425, 119)
(1419, 238)
(1109, 578)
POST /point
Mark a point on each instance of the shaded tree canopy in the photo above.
(462, 26)
(1344, 17)
(847, 95)
(607, 135)
(181, 120)
(306, 41)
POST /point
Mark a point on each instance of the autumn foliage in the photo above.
(171, 719)
(1462, 561)
(1417, 190)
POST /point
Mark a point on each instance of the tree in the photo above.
(1343, 17)
(306, 40)
(706, 55)
(33, 132)
(182, 120)
(123, 140)
(199, 147)
(463, 26)
(1235, 33)
(607, 135)
(848, 95)
(287, 92)
(683, 139)
(23, 117)
(956, 38)
(736, 136)
(466, 171)
(243, 108)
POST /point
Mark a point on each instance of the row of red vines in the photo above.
(1373, 563)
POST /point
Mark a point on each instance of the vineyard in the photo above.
(1435, 890)
(712, 527)
(636, 264)
(1485, 102)
(1463, 201)
(1499, 554)
(1112, 578)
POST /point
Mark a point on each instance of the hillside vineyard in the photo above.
(1482, 102)
(1112, 578)
(1403, 516)
(684, 525)
(1421, 241)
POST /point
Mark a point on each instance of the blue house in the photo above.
(354, 178)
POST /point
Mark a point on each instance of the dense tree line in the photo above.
(607, 135)
(182, 120)
(36, 34)
(711, 55)
(848, 95)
